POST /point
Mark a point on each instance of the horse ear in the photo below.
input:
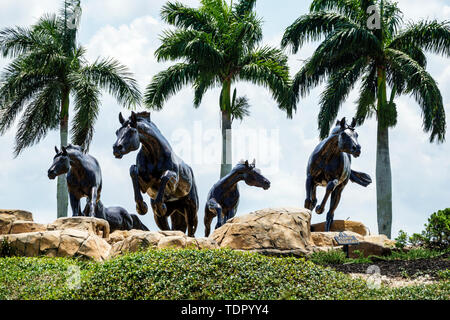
(246, 163)
(56, 150)
(121, 118)
(64, 150)
(343, 123)
(353, 125)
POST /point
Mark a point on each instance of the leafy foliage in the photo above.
(192, 274)
(218, 44)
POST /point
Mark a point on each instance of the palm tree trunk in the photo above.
(225, 106)
(383, 165)
(62, 192)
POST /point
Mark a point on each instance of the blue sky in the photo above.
(129, 31)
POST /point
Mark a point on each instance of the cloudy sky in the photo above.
(129, 31)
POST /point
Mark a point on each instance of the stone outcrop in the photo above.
(91, 225)
(342, 225)
(268, 231)
(59, 243)
(8, 217)
(136, 240)
(282, 231)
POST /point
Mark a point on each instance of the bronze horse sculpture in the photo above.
(159, 172)
(330, 166)
(223, 198)
(84, 179)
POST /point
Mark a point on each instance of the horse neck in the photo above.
(154, 145)
(330, 148)
(231, 180)
(77, 167)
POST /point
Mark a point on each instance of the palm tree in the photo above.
(388, 56)
(48, 67)
(217, 44)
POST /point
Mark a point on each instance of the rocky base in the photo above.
(281, 231)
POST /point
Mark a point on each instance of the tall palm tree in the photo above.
(389, 56)
(218, 44)
(48, 67)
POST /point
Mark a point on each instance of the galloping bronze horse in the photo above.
(330, 166)
(159, 172)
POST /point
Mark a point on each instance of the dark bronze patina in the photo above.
(84, 179)
(159, 172)
(223, 198)
(330, 166)
(118, 218)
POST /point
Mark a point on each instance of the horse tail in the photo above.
(360, 178)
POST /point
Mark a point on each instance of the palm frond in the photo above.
(421, 85)
(181, 16)
(311, 27)
(432, 36)
(38, 118)
(274, 76)
(168, 82)
(367, 95)
(244, 7)
(337, 90)
(114, 77)
(87, 105)
(240, 107)
(350, 8)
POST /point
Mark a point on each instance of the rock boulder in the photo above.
(269, 231)
(342, 225)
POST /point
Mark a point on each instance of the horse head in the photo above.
(348, 138)
(61, 163)
(252, 175)
(127, 136)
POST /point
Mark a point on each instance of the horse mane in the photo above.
(143, 116)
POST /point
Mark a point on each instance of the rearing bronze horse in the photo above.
(159, 172)
(330, 166)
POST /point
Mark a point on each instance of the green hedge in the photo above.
(192, 274)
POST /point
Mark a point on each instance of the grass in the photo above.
(192, 274)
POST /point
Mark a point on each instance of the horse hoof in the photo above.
(319, 210)
(142, 208)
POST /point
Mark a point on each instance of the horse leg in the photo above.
(92, 202)
(161, 221)
(75, 205)
(231, 213)
(191, 218)
(168, 180)
(209, 216)
(330, 188)
(335, 198)
(141, 206)
(309, 190)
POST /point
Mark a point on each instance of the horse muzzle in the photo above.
(118, 152)
(51, 175)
